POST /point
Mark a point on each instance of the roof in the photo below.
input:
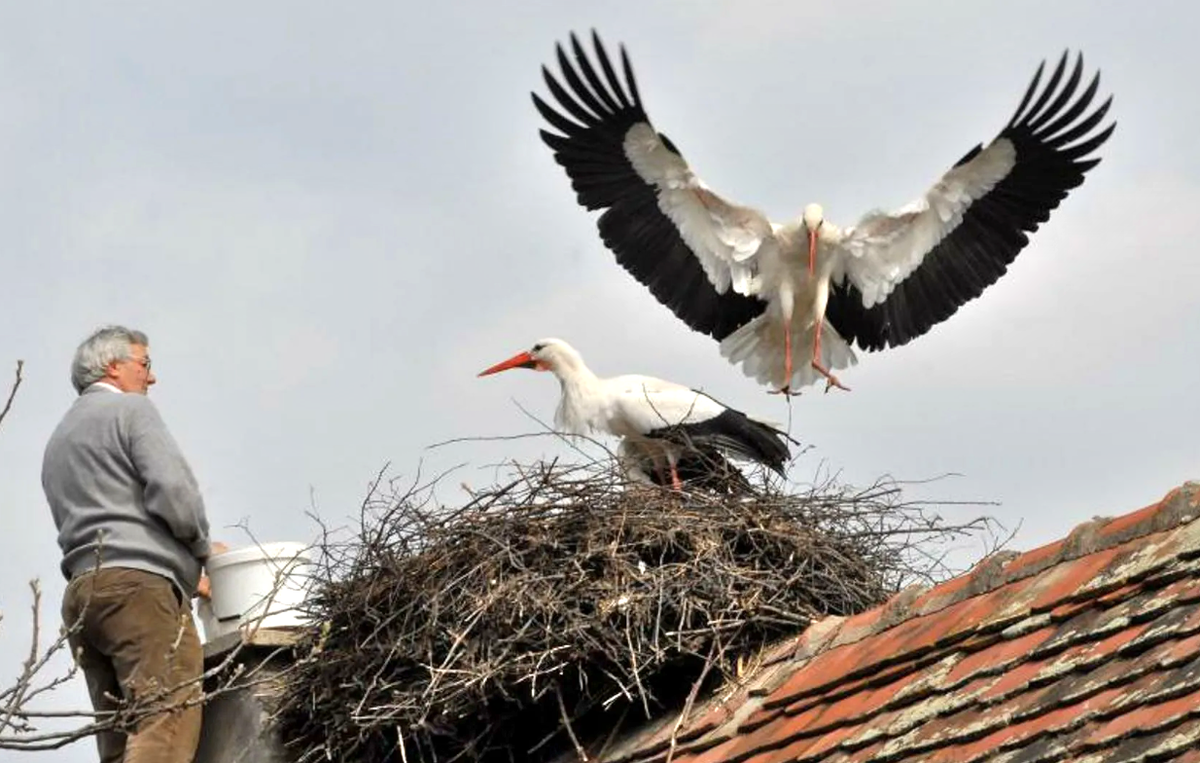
(1087, 649)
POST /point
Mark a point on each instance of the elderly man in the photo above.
(134, 537)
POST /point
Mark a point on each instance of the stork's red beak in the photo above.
(812, 251)
(520, 360)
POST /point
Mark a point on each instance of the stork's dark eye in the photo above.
(538, 347)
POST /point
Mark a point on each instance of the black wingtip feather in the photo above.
(1035, 111)
(629, 78)
(610, 103)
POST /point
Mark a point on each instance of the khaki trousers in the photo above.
(135, 640)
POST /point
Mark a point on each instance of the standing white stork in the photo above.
(762, 289)
(660, 421)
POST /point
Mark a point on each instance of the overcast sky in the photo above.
(330, 217)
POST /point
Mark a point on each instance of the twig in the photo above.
(562, 709)
(13, 391)
(691, 699)
(17, 728)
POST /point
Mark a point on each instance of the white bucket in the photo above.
(256, 587)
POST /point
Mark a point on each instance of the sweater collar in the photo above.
(101, 385)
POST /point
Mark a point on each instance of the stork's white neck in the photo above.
(567, 364)
(582, 394)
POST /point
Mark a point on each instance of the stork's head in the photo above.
(813, 217)
(546, 355)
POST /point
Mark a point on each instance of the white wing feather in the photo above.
(726, 238)
(884, 249)
(643, 404)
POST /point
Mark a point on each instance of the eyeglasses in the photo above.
(144, 361)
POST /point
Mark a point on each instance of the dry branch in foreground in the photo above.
(12, 392)
(26, 726)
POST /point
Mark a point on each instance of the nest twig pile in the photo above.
(565, 603)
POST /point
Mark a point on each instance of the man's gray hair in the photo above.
(104, 346)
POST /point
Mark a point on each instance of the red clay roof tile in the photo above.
(1086, 649)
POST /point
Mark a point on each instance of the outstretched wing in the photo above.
(697, 253)
(908, 270)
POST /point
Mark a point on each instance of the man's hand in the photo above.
(203, 586)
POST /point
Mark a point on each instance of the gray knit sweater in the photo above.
(111, 470)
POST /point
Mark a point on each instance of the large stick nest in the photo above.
(564, 603)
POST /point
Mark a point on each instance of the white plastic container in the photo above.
(256, 587)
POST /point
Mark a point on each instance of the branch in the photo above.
(19, 724)
(13, 392)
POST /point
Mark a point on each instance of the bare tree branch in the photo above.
(21, 726)
(13, 391)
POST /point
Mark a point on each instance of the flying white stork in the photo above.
(765, 290)
(663, 423)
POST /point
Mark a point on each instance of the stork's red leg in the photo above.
(830, 379)
(787, 357)
(786, 389)
(675, 481)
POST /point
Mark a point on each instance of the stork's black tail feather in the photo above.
(736, 435)
(762, 442)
